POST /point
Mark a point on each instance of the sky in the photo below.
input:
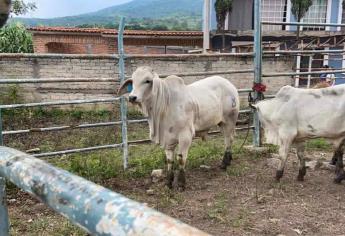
(59, 8)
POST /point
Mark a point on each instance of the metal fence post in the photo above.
(258, 65)
(4, 222)
(1, 135)
(123, 101)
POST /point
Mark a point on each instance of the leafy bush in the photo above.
(14, 38)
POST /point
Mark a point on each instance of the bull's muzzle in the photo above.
(132, 98)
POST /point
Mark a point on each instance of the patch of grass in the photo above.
(10, 95)
(168, 198)
(318, 144)
(238, 169)
(203, 153)
(144, 159)
(241, 219)
(219, 209)
(44, 226)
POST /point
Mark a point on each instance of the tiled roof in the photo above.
(114, 32)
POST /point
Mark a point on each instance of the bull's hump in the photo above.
(285, 92)
(174, 80)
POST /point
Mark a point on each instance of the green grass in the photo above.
(318, 144)
(219, 209)
(44, 226)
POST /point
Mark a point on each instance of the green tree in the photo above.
(19, 7)
(298, 9)
(222, 8)
(14, 38)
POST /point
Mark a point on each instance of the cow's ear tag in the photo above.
(129, 87)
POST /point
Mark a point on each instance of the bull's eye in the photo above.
(147, 81)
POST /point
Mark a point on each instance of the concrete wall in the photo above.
(19, 66)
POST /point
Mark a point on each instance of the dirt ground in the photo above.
(245, 200)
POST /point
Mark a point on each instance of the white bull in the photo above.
(177, 112)
(296, 115)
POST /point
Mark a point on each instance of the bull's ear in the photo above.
(126, 87)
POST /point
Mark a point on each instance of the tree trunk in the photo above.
(5, 7)
(297, 34)
(223, 41)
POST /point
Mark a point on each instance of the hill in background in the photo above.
(140, 14)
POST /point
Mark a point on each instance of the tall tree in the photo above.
(222, 7)
(19, 7)
(298, 9)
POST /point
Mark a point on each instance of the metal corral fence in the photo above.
(123, 104)
(94, 208)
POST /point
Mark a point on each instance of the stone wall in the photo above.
(19, 66)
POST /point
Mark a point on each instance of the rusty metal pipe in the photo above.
(94, 208)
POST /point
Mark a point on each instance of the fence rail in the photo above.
(59, 103)
(301, 24)
(93, 208)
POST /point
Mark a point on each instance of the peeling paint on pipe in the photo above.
(94, 208)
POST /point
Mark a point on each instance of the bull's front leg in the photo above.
(339, 168)
(184, 143)
(170, 162)
(283, 154)
(302, 168)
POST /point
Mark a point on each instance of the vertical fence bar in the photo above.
(1, 136)
(4, 222)
(309, 70)
(258, 65)
(206, 26)
(298, 69)
(123, 101)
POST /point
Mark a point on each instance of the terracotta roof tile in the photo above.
(113, 31)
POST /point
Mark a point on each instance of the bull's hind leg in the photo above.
(184, 143)
(339, 167)
(302, 168)
(170, 162)
(228, 132)
(333, 162)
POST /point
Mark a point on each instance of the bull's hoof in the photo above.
(226, 160)
(279, 175)
(300, 178)
(223, 167)
(170, 179)
(333, 162)
(181, 180)
(301, 173)
(339, 178)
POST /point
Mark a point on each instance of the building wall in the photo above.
(71, 44)
(17, 66)
(53, 42)
(334, 13)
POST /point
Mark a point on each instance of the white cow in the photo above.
(296, 115)
(177, 112)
